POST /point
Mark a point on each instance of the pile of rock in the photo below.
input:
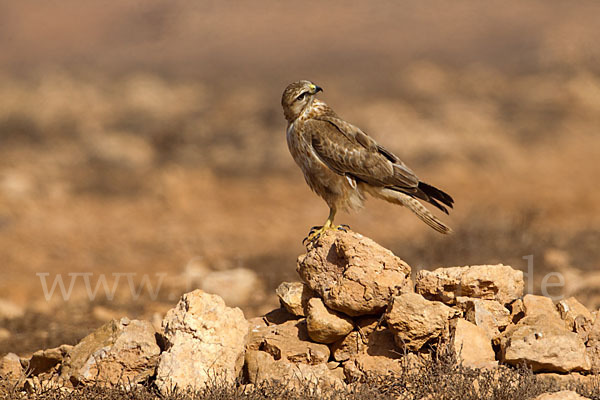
(355, 312)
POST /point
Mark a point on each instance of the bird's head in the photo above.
(296, 97)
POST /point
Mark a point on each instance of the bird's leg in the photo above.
(317, 231)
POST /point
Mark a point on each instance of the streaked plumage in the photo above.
(342, 164)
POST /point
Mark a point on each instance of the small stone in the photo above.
(121, 352)
(10, 368)
(472, 345)
(576, 316)
(294, 296)
(288, 341)
(43, 361)
(489, 282)
(545, 344)
(539, 305)
(489, 315)
(324, 325)
(415, 320)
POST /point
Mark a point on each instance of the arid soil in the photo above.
(147, 138)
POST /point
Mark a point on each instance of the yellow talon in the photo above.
(317, 231)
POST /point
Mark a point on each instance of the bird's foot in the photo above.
(316, 232)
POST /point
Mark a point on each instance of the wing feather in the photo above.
(349, 151)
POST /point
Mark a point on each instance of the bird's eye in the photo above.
(301, 97)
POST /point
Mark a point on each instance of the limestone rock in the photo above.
(472, 345)
(288, 341)
(262, 367)
(358, 341)
(43, 361)
(324, 325)
(593, 346)
(351, 273)
(294, 297)
(539, 305)
(489, 315)
(10, 368)
(562, 395)
(576, 316)
(415, 320)
(489, 282)
(205, 343)
(120, 352)
(545, 344)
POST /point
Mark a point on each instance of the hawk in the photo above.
(342, 164)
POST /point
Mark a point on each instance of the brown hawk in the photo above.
(342, 164)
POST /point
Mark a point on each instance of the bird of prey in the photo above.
(342, 164)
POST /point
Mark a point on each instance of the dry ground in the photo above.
(135, 137)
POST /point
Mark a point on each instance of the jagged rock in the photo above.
(10, 368)
(593, 345)
(489, 282)
(472, 345)
(562, 395)
(352, 274)
(415, 320)
(262, 367)
(294, 296)
(517, 310)
(120, 352)
(324, 325)
(205, 343)
(545, 344)
(43, 361)
(289, 341)
(576, 316)
(489, 315)
(539, 305)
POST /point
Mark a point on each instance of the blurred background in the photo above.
(146, 138)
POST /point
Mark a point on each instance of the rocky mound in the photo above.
(355, 313)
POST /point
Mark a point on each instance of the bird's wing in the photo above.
(349, 151)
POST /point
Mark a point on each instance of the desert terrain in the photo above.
(147, 139)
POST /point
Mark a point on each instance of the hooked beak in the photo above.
(316, 89)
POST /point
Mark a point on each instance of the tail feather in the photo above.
(435, 196)
(412, 204)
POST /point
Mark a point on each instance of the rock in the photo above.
(489, 282)
(539, 305)
(562, 395)
(351, 273)
(43, 361)
(415, 320)
(472, 345)
(262, 367)
(326, 326)
(206, 341)
(9, 310)
(517, 310)
(10, 368)
(545, 344)
(489, 315)
(577, 317)
(288, 341)
(294, 297)
(358, 341)
(120, 352)
(593, 346)
(237, 286)
(365, 364)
